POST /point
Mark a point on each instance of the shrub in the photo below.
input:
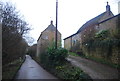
(71, 73)
(9, 70)
(53, 57)
(56, 56)
(54, 60)
(102, 34)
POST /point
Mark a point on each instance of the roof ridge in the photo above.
(88, 22)
(93, 20)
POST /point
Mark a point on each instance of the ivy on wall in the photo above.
(102, 44)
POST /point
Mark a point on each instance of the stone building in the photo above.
(47, 38)
(31, 50)
(84, 41)
(106, 20)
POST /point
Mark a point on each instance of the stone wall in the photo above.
(78, 42)
(111, 55)
(47, 39)
(75, 39)
(110, 24)
(106, 51)
(72, 41)
(87, 33)
(67, 43)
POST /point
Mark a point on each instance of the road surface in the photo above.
(94, 69)
(31, 70)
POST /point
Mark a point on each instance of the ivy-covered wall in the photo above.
(100, 53)
(105, 43)
(108, 49)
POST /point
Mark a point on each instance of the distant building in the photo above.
(32, 50)
(103, 21)
(47, 38)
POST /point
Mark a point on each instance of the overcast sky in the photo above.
(72, 14)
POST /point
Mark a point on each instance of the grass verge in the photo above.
(73, 54)
(9, 70)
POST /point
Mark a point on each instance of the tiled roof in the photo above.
(91, 22)
(87, 24)
(69, 36)
(51, 27)
(118, 15)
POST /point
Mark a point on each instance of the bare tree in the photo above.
(13, 29)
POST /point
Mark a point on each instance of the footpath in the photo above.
(31, 70)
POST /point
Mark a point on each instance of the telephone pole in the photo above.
(56, 24)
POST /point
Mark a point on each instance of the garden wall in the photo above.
(109, 52)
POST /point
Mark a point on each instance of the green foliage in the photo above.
(9, 71)
(13, 30)
(55, 57)
(103, 40)
(102, 45)
(54, 61)
(102, 34)
(57, 54)
(32, 50)
(73, 54)
(115, 33)
(71, 73)
(31, 53)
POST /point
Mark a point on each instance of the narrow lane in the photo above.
(94, 69)
(31, 70)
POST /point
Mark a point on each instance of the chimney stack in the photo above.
(51, 22)
(107, 7)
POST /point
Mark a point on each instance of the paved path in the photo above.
(31, 70)
(94, 69)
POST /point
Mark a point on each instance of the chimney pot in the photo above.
(51, 22)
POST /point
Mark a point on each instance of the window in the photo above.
(74, 41)
(45, 37)
(97, 26)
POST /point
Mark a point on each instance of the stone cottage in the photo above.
(47, 38)
(106, 20)
(80, 41)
